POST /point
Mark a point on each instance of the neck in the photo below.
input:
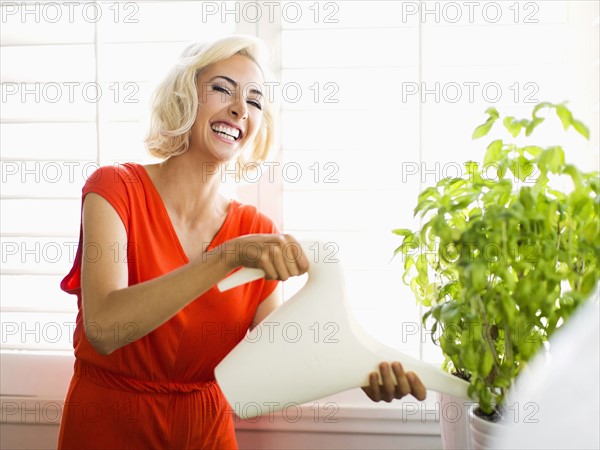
(190, 187)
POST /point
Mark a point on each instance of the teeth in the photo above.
(226, 131)
(226, 136)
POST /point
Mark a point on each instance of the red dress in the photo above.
(158, 392)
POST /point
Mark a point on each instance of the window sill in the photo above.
(34, 385)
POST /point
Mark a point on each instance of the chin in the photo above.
(225, 157)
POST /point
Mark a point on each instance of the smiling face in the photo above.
(229, 108)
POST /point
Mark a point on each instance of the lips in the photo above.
(227, 131)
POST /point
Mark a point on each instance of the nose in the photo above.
(239, 108)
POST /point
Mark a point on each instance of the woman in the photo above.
(154, 241)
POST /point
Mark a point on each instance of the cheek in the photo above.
(257, 123)
(212, 102)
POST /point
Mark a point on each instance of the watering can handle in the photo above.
(242, 276)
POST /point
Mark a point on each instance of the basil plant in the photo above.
(502, 261)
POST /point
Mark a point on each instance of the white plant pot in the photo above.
(484, 434)
(454, 429)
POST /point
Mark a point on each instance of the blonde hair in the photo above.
(175, 100)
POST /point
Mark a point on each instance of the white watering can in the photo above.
(309, 348)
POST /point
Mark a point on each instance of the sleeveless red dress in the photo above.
(158, 392)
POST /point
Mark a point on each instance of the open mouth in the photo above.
(226, 132)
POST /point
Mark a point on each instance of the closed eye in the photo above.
(256, 104)
(222, 89)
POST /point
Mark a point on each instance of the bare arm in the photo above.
(137, 310)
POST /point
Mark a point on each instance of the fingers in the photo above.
(403, 387)
(383, 391)
(279, 255)
(282, 267)
(395, 384)
(418, 389)
(388, 383)
(288, 254)
(286, 257)
(373, 390)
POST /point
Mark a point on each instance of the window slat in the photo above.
(361, 48)
(373, 89)
(349, 130)
(37, 141)
(343, 14)
(39, 331)
(35, 293)
(381, 167)
(47, 217)
(38, 23)
(493, 46)
(44, 255)
(329, 211)
(145, 21)
(50, 102)
(48, 63)
(45, 179)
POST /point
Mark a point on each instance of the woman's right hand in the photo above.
(280, 256)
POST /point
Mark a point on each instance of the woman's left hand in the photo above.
(393, 385)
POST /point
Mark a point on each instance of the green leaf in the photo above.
(581, 128)
(521, 168)
(575, 175)
(402, 232)
(472, 169)
(564, 115)
(540, 106)
(533, 150)
(514, 126)
(433, 331)
(475, 212)
(494, 152)
(449, 312)
(454, 184)
(424, 206)
(422, 269)
(426, 315)
(590, 279)
(593, 179)
(552, 159)
(478, 276)
(508, 308)
(409, 262)
(590, 232)
(470, 359)
(436, 311)
(486, 364)
(492, 112)
(557, 159)
(430, 193)
(531, 125)
(484, 128)
(449, 289)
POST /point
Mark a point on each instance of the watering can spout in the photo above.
(324, 350)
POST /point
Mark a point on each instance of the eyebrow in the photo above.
(235, 83)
